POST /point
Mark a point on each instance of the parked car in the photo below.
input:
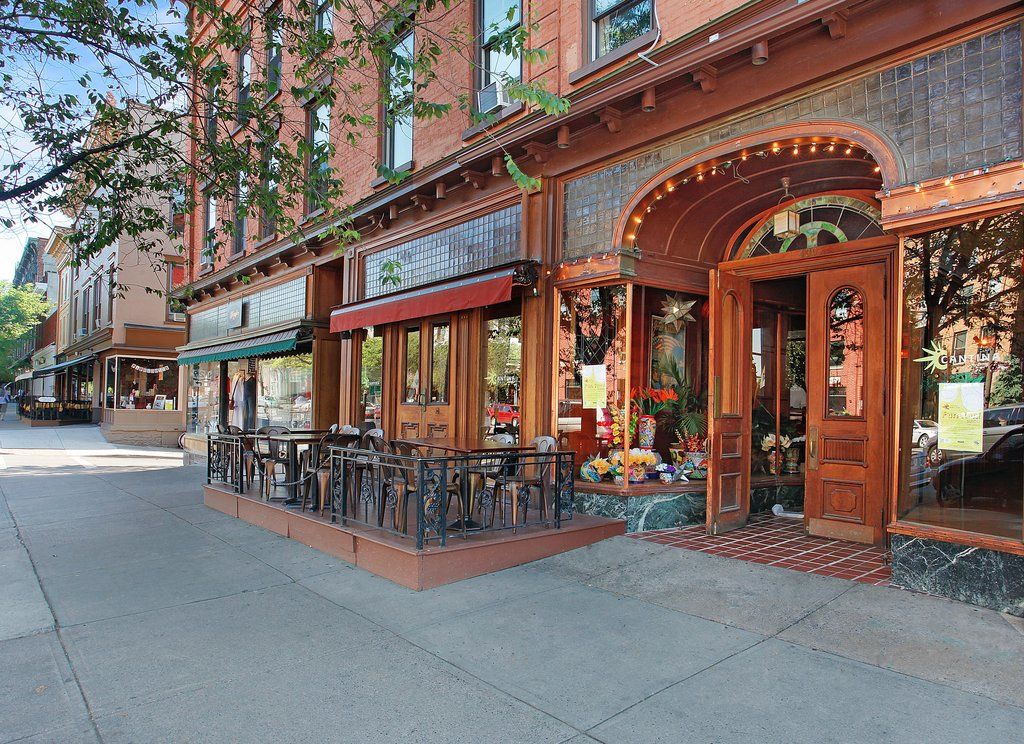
(999, 420)
(503, 413)
(995, 476)
(926, 433)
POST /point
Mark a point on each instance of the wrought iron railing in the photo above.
(63, 411)
(225, 460)
(429, 499)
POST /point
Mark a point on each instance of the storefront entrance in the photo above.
(425, 402)
(800, 353)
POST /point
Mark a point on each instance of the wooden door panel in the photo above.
(846, 403)
(729, 403)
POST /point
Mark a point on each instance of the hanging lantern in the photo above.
(786, 224)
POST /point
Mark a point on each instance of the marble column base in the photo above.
(983, 577)
(645, 512)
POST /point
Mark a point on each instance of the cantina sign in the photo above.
(936, 359)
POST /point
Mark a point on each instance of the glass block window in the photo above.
(271, 306)
(481, 243)
(954, 109)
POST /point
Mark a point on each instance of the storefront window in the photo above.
(204, 397)
(593, 362)
(412, 365)
(502, 371)
(109, 383)
(285, 392)
(147, 383)
(371, 377)
(962, 418)
(439, 362)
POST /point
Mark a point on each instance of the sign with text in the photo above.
(595, 386)
(961, 416)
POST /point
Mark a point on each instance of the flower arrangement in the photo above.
(692, 442)
(670, 473)
(652, 401)
(776, 449)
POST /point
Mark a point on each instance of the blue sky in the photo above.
(12, 240)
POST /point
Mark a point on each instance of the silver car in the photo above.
(925, 434)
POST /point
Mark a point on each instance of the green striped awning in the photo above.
(247, 347)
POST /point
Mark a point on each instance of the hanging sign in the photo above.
(595, 386)
(150, 370)
(961, 416)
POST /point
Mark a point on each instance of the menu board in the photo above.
(595, 386)
(961, 416)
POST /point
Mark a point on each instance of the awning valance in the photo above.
(23, 376)
(478, 291)
(242, 348)
(61, 366)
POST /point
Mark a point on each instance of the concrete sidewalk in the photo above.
(129, 612)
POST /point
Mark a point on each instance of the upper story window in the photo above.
(210, 124)
(85, 312)
(240, 226)
(274, 50)
(318, 135)
(616, 22)
(111, 291)
(323, 20)
(498, 19)
(398, 114)
(244, 82)
(97, 301)
(209, 231)
(268, 221)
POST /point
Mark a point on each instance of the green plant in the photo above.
(689, 411)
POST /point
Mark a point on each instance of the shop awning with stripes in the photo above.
(61, 366)
(491, 288)
(270, 343)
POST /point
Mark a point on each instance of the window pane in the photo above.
(502, 365)
(962, 455)
(284, 392)
(371, 377)
(500, 66)
(731, 328)
(399, 133)
(495, 15)
(592, 368)
(439, 363)
(412, 365)
(846, 354)
(204, 397)
(621, 26)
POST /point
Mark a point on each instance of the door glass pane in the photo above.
(439, 363)
(370, 376)
(502, 362)
(285, 392)
(845, 354)
(412, 365)
(730, 392)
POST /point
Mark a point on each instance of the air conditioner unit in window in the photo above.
(491, 98)
(178, 317)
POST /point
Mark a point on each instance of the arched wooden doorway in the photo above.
(789, 237)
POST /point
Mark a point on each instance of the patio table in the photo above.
(464, 446)
(292, 441)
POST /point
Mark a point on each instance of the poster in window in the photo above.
(668, 351)
(595, 386)
(961, 415)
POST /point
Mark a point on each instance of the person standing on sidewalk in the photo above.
(5, 398)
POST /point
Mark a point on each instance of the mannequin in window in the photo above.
(236, 400)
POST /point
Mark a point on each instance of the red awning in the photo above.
(478, 291)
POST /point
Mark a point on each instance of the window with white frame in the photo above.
(617, 22)
(398, 112)
(499, 20)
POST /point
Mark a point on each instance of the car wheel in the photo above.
(935, 455)
(922, 442)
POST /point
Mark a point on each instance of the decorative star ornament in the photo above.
(933, 357)
(676, 311)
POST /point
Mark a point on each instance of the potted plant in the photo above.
(650, 402)
(639, 461)
(689, 411)
(776, 449)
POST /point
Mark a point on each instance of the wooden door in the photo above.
(846, 403)
(729, 403)
(424, 382)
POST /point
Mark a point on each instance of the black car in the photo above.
(995, 476)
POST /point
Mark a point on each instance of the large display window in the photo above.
(502, 373)
(371, 370)
(962, 420)
(204, 397)
(632, 390)
(145, 383)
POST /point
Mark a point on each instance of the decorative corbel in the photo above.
(835, 22)
(538, 151)
(611, 118)
(392, 212)
(424, 202)
(706, 77)
(476, 179)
